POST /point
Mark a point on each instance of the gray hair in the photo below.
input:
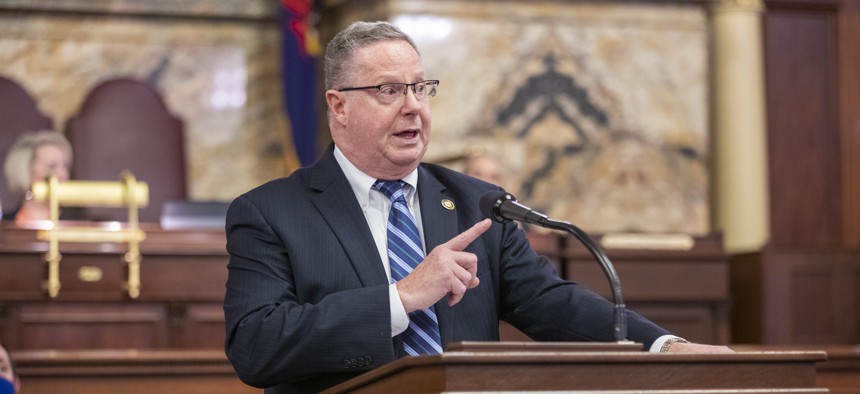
(23, 152)
(343, 46)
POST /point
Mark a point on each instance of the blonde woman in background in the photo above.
(33, 157)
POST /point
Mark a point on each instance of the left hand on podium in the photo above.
(686, 347)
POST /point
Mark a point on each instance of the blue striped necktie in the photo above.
(404, 254)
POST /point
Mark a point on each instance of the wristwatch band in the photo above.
(669, 342)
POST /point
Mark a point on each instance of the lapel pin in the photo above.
(448, 204)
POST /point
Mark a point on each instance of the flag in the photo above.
(300, 47)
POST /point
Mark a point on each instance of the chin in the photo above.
(408, 154)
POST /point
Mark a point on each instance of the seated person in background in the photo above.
(484, 166)
(33, 157)
(9, 383)
(370, 255)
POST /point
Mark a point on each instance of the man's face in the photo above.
(386, 141)
(486, 168)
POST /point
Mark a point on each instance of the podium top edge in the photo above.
(602, 356)
(472, 346)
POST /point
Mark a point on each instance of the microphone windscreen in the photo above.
(490, 202)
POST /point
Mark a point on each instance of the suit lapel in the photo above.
(334, 199)
(440, 225)
(344, 216)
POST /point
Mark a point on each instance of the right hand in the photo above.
(447, 270)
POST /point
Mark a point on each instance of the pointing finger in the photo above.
(465, 238)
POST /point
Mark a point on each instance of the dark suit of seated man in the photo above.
(328, 276)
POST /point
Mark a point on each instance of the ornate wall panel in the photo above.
(216, 63)
(600, 111)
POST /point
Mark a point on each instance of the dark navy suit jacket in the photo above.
(306, 305)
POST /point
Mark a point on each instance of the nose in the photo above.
(62, 173)
(411, 101)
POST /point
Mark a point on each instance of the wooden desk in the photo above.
(180, 305)
(183, 273)
(685, 291)
(840, 373)
(127, 371)
(594, 372)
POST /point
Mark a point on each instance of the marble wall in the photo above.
(216, 64)
(599, 110)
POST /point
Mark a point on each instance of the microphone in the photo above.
(503, 207)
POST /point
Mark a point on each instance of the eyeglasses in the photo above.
(389, 93)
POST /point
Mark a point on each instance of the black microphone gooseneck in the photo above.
(503, 207)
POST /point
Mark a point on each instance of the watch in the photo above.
(670, 341)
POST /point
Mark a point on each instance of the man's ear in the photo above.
(336, 105)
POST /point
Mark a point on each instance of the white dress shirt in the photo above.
(376, 206)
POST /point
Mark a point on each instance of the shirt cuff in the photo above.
(657, 346)
(399, 318)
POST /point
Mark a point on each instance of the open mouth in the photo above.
(407, 134)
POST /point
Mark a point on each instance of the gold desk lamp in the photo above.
(125, 193)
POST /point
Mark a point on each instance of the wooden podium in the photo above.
(593, 368)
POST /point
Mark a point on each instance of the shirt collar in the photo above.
(362, 183)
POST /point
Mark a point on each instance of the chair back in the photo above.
(18, 114)
(125, 125)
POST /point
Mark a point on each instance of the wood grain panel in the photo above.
(694, 322)
(849, 66)
(128, 371)
(851, 289)
(202, 327)
(810, 298)
(183, 276)
(615, 372)
(814, 302)
(812, 50)
(840, 373)
(803, 134)
(91, 326)
(658, 281)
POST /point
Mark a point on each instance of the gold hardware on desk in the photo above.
(89, 273)
(126, 193)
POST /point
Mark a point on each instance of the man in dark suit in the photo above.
(314, 297)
